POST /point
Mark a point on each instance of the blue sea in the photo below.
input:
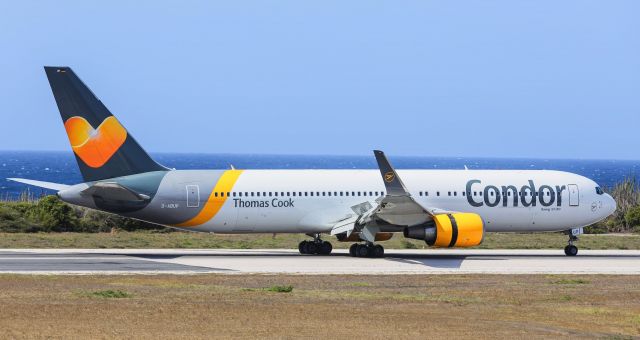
(61, 167)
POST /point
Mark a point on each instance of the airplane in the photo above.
(444, 208)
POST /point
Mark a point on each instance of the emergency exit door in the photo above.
(193, 196)
(574, 195)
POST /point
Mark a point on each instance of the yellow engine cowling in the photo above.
(458, 230)
(449, 230)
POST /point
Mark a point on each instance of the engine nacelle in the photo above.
(450, 230)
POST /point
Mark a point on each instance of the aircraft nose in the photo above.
(611, 205)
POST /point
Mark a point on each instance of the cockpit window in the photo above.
(599, 191)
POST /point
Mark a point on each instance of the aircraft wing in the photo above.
(398, 207)
(41, 184)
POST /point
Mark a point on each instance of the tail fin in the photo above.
(102, 146)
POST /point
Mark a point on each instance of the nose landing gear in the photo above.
(366, 250)
(570, 249)
(315, 247)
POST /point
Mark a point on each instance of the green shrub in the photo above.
(55, 215)
(280, 289)
(111, 294)
(632, 217)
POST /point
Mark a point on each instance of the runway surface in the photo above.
(280, 261)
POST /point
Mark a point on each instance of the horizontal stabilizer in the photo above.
(41, 184)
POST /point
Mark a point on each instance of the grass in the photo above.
(571, 282)
(290, 241)
(276, 289)
(389, 306)
(110, 294)
(280, 289)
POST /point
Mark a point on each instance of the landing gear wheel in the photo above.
(362, 250)
(377, 250)
(571, 250)
(325, 248)
(312, 248)
(302, 247)
(353, 250)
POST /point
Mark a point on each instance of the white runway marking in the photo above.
(281, 261)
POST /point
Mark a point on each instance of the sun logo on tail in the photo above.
(95, 146)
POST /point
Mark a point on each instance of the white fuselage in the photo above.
(312, 201)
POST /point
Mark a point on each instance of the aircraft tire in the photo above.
(377, 250)
(352, 250)
(312, 248)
(362, 251)
(302, 247)
(326, 248)
(571, 250)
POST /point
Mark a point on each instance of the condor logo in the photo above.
(389, 177)
(527, 195)
(95, 146)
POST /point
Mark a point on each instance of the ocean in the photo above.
(61, 167)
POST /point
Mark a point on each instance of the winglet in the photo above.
(392, 181)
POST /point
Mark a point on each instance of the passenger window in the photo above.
(449, 193)
(215, 194)
(455, 193)
(437, 193)
(420, 193)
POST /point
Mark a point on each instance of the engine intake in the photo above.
(449, 230)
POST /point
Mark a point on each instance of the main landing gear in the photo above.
(315, 247)
(570, 249)
(366, 250)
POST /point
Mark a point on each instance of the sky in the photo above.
(540, 79)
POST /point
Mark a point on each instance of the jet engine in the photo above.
(449, 230)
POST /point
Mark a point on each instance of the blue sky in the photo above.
(549, 79)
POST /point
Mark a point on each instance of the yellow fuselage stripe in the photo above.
(215, 202)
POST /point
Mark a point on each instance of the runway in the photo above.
(284, 261)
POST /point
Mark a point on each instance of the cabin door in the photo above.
(193, 196)
(574, 195)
